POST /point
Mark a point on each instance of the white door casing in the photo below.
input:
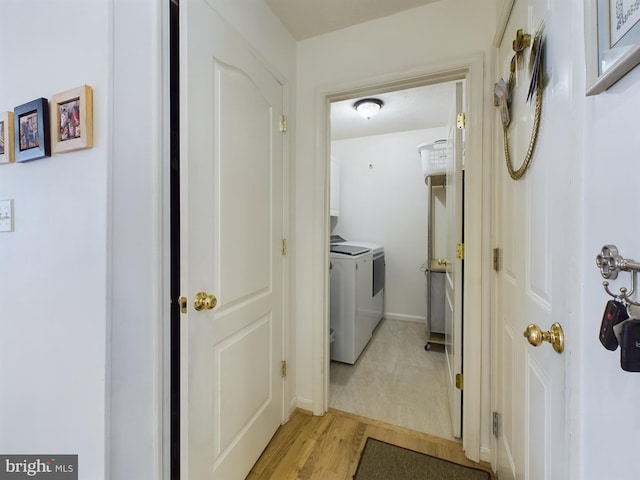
(531, 284)
(454, 270)
(472, 70)
(231, 230)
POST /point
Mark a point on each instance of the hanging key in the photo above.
(614, 313)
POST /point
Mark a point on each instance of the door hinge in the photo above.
(496, 259)
(496, 424)
(284, 246)
(461, 121)
(283, 123)
(182, 301)
(283, 369)
(460, 251)
(459, 381)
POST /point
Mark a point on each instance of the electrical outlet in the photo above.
(6, 215)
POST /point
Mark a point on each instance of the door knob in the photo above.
(555, 336)
(204, 301)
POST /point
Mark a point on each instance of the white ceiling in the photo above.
(308, 18)
(404, 110)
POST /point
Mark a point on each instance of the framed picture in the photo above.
(72, 119)
(31, 130)
(6, 137)
(612, 40)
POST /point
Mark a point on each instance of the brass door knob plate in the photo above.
(204, 301)
(555, 336)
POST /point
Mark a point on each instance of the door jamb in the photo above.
(475, 320)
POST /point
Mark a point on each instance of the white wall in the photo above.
(383, 199)
(53, 268)
(608, 418)
(83, 284)
(137, 249)
(398, 45)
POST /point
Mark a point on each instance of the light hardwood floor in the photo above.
(328, 447)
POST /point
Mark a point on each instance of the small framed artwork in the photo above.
(612, 40)
(6, 137)
(72, 119)
(31, 130)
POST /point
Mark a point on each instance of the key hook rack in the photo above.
(610, 262)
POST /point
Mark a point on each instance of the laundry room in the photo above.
(385, 212)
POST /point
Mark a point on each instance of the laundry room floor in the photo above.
(396, 381)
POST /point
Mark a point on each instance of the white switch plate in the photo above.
(6, 215)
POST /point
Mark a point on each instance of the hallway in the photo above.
(328, 447)
(396, 381)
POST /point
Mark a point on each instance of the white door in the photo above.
(532, 282)
(231, 231)
(453, 282)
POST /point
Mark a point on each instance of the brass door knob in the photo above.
(204, 301)
(555, 336)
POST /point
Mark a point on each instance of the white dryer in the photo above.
(351, 317)
(376, 300)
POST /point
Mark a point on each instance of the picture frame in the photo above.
(612, 41)
(31, 130)
(72, 120)
(6, 138)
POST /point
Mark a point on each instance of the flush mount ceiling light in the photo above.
(368, 107)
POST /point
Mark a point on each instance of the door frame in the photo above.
(501, 26)
(476, 227)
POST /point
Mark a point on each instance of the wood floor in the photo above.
(328, 447)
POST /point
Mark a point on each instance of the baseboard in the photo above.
(293, 404)
(485, 454)
(405, 318)
(302, 404)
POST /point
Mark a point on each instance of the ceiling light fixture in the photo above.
(368, 107)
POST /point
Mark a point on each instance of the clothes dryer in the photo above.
(376, 302)
(351, 319)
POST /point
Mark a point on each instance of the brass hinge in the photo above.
(283, 123)
(182, 301)
(461, 121)
(283, 369)
(496, 259)
(284, 246)
(459, 381)
(496, 424)
(460, 251)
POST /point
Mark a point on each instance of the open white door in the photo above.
(231, 230)
(532, 282)
(455, 258)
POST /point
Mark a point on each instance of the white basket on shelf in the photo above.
(434, 157)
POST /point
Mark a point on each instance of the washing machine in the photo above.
(350, 290)
(376, 300)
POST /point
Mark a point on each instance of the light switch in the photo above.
(6, 215)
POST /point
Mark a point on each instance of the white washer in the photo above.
(350, 279)
(374, 247)
(378, 276)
